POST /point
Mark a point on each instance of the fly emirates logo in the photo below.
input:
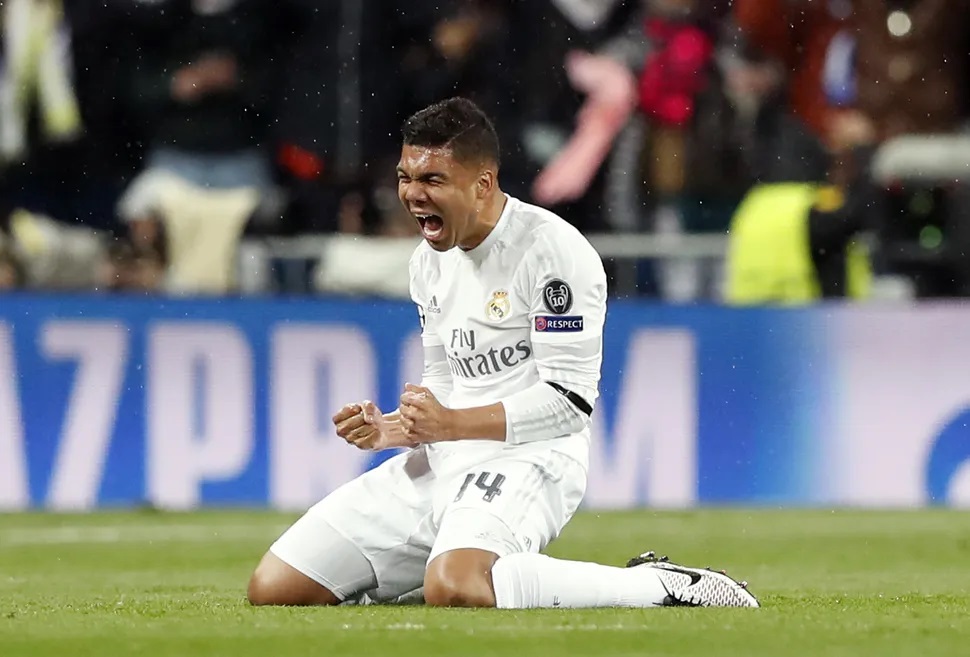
(495, 360)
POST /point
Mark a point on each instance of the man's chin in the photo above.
(441, 244)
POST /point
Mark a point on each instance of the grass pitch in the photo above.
(831, 583)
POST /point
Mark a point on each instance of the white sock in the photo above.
(526, 580)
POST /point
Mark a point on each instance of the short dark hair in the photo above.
(458, 124)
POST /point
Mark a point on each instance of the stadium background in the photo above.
(202, 257)
(196, 279)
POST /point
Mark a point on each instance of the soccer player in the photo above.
(512, 302)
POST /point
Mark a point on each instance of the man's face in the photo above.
(441, 193)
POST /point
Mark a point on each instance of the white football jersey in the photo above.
(535, 280)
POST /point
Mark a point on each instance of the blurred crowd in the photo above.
(143, 141)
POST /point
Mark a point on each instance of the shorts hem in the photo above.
(485, 546)
(312, 574)
(480, 544)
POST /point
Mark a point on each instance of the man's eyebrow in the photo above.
(424, 176)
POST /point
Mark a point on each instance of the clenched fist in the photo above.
(363, 426)
(423, 418)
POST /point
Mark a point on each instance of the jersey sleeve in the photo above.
(436, 375)
(422, 300)
(566, 284)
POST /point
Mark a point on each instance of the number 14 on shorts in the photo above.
(491, 490)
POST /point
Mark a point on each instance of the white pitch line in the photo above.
(411, 627)
(142, 533)
(398, 626)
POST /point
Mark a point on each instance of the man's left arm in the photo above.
(567, 288)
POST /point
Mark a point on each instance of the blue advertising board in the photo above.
(179, 403)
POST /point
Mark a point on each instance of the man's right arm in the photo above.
(363, 426)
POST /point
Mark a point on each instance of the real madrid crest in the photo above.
(499, 306)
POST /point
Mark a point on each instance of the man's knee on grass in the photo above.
(274, 582)
(460, 578)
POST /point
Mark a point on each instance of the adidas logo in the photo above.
(433, 306)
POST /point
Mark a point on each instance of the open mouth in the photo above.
(431, 226)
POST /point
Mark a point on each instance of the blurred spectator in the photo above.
(11, 269)
(127, 268)
(36, 74)
(53, 159)
(202, 81)
(663, 67)
(535, 104)
(774, 256)
(52, 254)
(353, 73)
(221, 117)
(792, 237)
(321, 103)
(610, 91)
(785, 50)
(670, 77)
(874, 70)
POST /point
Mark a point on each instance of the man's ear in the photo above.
(486, 182)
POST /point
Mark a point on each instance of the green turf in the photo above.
(832, 583)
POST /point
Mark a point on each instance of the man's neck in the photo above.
(486, 221)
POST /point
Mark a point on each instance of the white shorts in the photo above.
(404, 513)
